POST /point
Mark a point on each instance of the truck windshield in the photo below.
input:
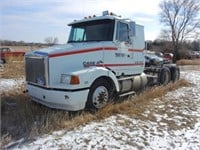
(98, 30)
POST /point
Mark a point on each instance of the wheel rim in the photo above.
(100, 97)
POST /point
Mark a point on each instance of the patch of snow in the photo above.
(10, 84)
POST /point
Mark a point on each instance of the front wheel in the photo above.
(99, 95)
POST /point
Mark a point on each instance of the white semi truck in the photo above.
(103, 58)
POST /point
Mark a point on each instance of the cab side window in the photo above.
(122, 32)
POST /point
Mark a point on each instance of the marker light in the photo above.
(105, 13)
(74, 80)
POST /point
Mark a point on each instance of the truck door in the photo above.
(125, 60)
(123, 56)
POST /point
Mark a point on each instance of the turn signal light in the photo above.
(74, 80)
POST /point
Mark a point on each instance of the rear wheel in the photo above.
(175, 74)
(99, 95)
(164, 76)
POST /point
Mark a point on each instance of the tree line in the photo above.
(18, 43)
(48, 41)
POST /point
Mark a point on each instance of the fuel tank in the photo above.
(134, 83)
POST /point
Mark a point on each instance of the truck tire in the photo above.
(164, 76)
(99, 95)
(175, 74)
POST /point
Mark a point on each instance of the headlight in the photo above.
(65, 78)
(69, 79)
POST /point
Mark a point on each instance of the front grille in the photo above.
(36, 70)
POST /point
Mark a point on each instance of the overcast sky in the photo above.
(34, 20)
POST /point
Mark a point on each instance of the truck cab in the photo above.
(119, 38)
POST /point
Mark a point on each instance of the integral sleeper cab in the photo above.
(103, 57)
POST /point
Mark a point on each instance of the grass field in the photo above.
(188, 62)
(14, 68)
(24, 48)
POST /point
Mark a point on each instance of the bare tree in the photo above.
(51, 40)
(182, 19)
(165, 35)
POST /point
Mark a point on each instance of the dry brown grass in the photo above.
(188, 62)
(138, 104)
(13, 68)
(23, 118)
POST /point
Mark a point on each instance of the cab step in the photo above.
(127, 93)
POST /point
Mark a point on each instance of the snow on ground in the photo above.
(171, 122)
(10, 84)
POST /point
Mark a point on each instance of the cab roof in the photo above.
(105, 15)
